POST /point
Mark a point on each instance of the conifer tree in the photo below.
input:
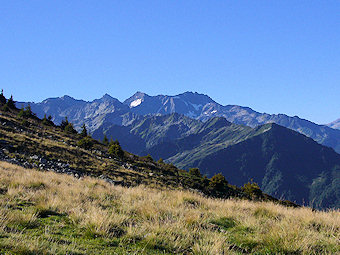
(64, 123)
(11, 103)
(105, 140)
(21, 113)
(2, 98)
(28, 110)
(83, 132)
(115, 149)
(47, 120)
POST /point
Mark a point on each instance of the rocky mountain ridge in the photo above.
(108, 110)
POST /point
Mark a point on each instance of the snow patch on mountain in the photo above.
(136, 102)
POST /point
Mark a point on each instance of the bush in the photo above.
(195, 172)
(252, 189)
(218, 183)
(115, 149)
(5, 108)
(86, 143)
(149, 158)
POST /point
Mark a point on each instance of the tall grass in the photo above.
(48, 213)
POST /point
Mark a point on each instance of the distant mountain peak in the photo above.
(335, 124)
(139, 94)
(106, 96)
(67, 97)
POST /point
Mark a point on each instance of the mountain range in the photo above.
(192, 130)
(108, 110)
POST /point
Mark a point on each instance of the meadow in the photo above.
(50, 213)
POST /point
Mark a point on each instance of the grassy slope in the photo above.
(27, 137)
(52, 143)
(49, 213)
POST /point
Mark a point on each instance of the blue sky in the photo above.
(273, 56)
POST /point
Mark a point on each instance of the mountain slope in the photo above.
(284, 162)
(335, 124)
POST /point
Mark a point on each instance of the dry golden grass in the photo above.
(90, 213)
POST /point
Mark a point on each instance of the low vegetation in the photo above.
(49, 213)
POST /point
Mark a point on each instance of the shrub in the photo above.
(195, 172)
(5, 108)
(115, 149)
(252, 189)
(148, 158)
(86, 143)
(218, 183)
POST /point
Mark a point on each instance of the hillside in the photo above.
(49, 213)
(108, 110)
(31, 142)
(285, 163)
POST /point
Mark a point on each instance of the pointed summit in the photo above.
(107, 97)
(136, 99)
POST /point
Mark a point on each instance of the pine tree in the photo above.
(28, 110)
(11, 103)
(2, 98)
(70, 129)
(116, 150)
(47, 120)
(105, 140)
(64, 123)
(83, 132)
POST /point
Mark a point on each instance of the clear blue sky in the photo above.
(273, 56)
